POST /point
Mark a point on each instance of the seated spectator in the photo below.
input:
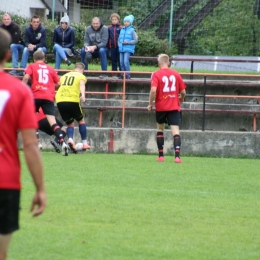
(17, 44)
(35, 39)
(95, 44)
(64, 40)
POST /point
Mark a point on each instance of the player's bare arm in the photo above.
(26, 78)
(34, 163)
(152, 97)
(82, 91)
(182, 95)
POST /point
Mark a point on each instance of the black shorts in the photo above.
(9, 211)
(45, 127)
(70, 111)
(46, 105)
(168, 117)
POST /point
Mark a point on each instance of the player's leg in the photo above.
(70, 134)
(48, 109)
(173, 120)
(9, 215)
(4, 244)
(78, 115)
(161, 120)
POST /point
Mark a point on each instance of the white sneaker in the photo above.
(40, 146)
(64, 149)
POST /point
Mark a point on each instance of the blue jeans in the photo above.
(16, 50)
(60, 54)
(114, 52)
(125, 62)
(87, 56)
(27, 53)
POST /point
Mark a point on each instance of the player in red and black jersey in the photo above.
(44, 80)
(168, 91)
(16, 115)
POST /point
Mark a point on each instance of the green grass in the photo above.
(117, 206)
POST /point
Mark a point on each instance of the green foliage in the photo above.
(149, 45)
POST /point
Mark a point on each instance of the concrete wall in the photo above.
(207, 143)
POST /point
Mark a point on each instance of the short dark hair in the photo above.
(38, 55)
(35, 17)
(4, 43)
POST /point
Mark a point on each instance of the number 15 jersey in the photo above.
(69, 90)
(44, 79)
(169, 83)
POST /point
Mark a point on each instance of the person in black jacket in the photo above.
(114, 31)
(64, 40)
(17, 44)
(35, 39)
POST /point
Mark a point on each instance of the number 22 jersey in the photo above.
(169, 83)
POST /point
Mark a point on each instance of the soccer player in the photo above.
(16, 114)
(45, 127)
(68, 97)
(168, 91)
(44, 79)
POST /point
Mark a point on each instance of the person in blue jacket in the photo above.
(35, 39)
(63, 40)
(126, 43)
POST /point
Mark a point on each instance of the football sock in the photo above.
(57, 132)
(63, 133)
(83, 131)
(70, 131)
(177, 145)
(160, 143)
(37, 135)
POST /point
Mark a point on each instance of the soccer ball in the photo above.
(79, 146)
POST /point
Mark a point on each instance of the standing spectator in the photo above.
(16, 114)
(44, 79)
(114, 31)
(168, 91)
(17, 44)
(64, 40)
(35, 39)
(95, 44)
(68, 97)
(127, 40)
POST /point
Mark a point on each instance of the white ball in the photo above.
(79, 146)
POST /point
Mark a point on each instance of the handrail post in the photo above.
(191, 68)
(123, 101)
(204, 102)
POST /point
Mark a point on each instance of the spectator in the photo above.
(168, 90)
(114, 31)
(35, 39)
(126, 42)
(17, 44)
(64, 40)
(95, 44)
(44, 79)
(68, 97)
(16, 114)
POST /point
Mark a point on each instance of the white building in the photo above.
(42, 8)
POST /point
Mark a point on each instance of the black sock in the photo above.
(58, 133)
(160, 143)
(177, 145)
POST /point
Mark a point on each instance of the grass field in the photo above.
(117, 206)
